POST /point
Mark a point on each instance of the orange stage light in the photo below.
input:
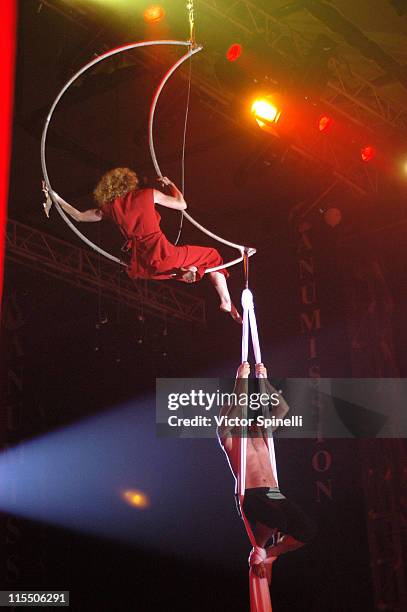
(265, 111)
(154, 14)
(136, 498)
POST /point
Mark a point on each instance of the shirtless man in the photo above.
(270, 514)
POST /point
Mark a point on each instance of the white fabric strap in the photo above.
(257, 555)
(250, 328)
(259, 590)
(255, 336)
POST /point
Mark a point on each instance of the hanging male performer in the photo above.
(269, 513)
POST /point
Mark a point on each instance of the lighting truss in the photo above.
(384, 485)
(347, 93)
(84, 269)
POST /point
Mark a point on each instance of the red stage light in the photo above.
(325, 123)
(154, 14)
(367, 153)
(234, 52)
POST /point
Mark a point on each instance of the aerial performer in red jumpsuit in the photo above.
(120, 200)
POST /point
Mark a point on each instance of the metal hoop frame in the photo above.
(241, 248)
(192, 49)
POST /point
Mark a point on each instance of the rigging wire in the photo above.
(184, 136)
(191, 20)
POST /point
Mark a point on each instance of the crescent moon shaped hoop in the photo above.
(241, 248)
(100, 58)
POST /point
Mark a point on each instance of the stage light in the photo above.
(367, 153)
(265, 111)
(154, 14)
(332, 217)
(234, 52)
(325, 123)
(136, 498)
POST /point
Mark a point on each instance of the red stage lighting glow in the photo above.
(8, 10)
(154, 14)
(367, 153)
(234, 52)
(325, 123)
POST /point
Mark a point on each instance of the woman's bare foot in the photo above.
(231, 309)
(188, 275)
(219, 282)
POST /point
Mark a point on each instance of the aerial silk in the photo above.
(259, 587)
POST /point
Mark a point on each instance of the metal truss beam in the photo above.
(347, 92)
(369, 313)
(81, 268)
(322, 150)
(385, 487)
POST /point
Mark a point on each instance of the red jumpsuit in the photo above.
(152, 255)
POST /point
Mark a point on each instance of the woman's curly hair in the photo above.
(114, 184)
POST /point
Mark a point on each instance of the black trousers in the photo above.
(261, 506)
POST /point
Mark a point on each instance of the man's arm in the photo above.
(282, 407)
(232, 410)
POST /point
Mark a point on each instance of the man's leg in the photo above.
(300, 529)
(286, 543)
(262, 534)
(264, 524)
(270, 515)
